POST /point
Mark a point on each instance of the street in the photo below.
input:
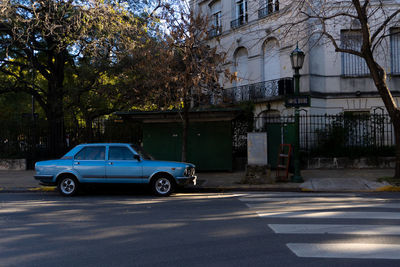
(200, 229)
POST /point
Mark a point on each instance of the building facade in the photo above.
(258, 52)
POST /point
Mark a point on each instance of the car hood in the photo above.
(170, 163)
(48, 162)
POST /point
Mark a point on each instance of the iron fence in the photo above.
(29, 138)
(338, 135)
(258, 91)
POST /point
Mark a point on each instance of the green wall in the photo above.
(209, 143)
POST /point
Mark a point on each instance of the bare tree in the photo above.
(366, 26)
(193, 67)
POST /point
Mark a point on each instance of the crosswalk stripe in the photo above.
(310, 199)
(326, 207)
(335, 229)
(293, 194)
(319, 206)
(332, 215)
(346, 250)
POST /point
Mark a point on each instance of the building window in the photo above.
(352, 65)
(241, 66)
(216, 23)
(271, 60)
(268, 7)
(241, 14)
(395, 51)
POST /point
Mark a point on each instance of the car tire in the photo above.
(68, 186)
(162, 185)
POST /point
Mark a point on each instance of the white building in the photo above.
(257, 50)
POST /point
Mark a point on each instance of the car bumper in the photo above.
(45, 179)
(186, 180)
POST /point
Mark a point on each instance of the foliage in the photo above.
(349, 136)
(41, 39)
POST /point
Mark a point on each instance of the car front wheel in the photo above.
(163, 186)
(68, 186)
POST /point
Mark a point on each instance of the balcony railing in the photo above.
(216, 31)
(242, 20)
(268, 10)
(259, 91)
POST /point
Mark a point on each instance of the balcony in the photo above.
(214, 32)
(268, 10)
(259, 91)
(242, 20)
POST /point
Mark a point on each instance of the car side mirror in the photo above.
(137, 157)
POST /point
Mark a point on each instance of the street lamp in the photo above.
(297, 60)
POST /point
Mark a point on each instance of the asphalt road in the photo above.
(243, 229)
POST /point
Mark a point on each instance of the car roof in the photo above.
(79, 147)
(103, 144)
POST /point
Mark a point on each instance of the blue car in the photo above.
(113, 163)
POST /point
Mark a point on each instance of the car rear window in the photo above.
(120, 153)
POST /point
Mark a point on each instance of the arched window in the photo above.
(271, 60)
(241, 66)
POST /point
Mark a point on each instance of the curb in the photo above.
(27, 189)
(184, 190)
(388, 188)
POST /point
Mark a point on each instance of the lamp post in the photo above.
(297, 60)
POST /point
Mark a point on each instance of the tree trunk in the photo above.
(56, 131)
(379, 77)
(89, 129)
(55, 109)
(185, 131)
(397, 138)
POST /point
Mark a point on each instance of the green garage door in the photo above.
(209, 143)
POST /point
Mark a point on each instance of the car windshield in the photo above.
(143, 154)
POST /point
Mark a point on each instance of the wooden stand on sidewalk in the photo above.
(282, 168)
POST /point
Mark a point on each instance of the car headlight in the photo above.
(189, 171)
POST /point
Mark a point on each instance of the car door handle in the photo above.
(76, 163)
(110, 163)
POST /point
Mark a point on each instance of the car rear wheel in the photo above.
(68, 186)
(162, 186)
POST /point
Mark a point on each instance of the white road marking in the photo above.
(346, 250)
(319, 206)
(293, 194)
(332, 215)
(351, 229)
(310, 199)
(326, 207)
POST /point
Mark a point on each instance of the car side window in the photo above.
(91, 153)
(120, 153)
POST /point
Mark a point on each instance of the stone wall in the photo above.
(12, 164)
(342, 163)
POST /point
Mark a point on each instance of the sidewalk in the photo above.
(333, 180)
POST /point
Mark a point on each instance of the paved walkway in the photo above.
(337, 180)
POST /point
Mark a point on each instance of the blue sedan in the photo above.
(113, 163)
